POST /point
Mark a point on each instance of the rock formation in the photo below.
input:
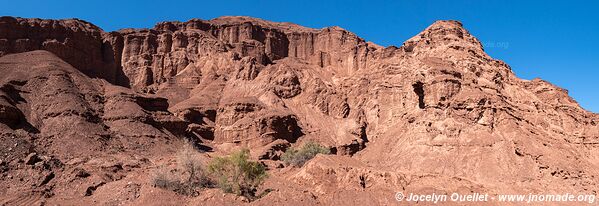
(90, 112)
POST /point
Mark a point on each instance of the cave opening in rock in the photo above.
(419, 90)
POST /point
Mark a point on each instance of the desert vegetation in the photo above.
(234, 173)
(187, 178)
(298, 157)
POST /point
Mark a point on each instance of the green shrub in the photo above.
(298, 157)
(236, 174)
(188, 178)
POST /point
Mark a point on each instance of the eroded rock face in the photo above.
(77, 42)
(66, 109)
(464, 108)
(436, 113)
(176, 59)
(9, 114)
(247, 120)
(151, 56)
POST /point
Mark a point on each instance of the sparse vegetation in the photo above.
(298, 157)
(233, 174)
(236, 174)
(188, 178)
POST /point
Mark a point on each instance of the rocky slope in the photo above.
(84, 113)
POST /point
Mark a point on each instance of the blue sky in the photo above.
(556, 41)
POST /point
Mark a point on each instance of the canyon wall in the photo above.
(437, 112)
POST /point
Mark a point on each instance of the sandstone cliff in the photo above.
(435, 114)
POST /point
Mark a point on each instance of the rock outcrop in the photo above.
(435, 114)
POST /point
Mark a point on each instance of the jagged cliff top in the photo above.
(287, 26)
(447, 26)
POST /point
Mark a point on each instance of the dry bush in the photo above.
(188, 178)
(165, 179)
(233, 174)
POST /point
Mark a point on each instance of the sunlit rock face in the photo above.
(436, 114)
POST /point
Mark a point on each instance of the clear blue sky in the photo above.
(556, 41)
